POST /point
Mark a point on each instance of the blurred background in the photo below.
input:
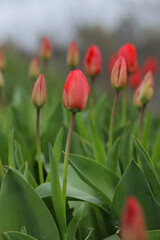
(106, 23)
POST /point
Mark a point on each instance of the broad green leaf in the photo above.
(148, 169)
(97, 176)
(153, 235)
(11, 149)
(57, 150)
(98, 148)
(18, 154)
(31, 179)
(21, 206)
(156, 152)
(76, 189)
(134, 183)
(57, 198)
(99, 111)
(57, 146)
(147, 127)
(81, 127)
(16, 236)
(126, 146)
(3, 148)
(113, 162)
(113, 237)
(72, 227)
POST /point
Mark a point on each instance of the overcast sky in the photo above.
(25, 21)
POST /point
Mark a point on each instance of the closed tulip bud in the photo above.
(119, 74)
(34, 68)
(1, 80)
(75, 92)
(128, 51)
(151, 64)
(132, 222)
(136, 98)
(146, 88)
(46, 49)
(111, 61)
(135, 78)
(73, 55)
(92, 61)
(2, 61)
(39, 92)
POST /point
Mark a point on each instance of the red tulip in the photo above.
(151, 64)
(46, 49)
(111, 62)
(75, 92)
(132, 222)
(136, 98)
(135, 78)
(34, 68)
(119, 74)
(92, 61)
(39, 92)
(2, 61)
(73, 55)
(128, 51)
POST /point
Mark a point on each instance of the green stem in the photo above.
(124, 104)
(141, 115)
(112, 119)
(92, 94)
(40, 169)
(66, 156)
(1, 170)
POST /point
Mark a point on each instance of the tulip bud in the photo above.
(111, 62)
(73, 55)
(46, 49)
(146, 88)
(132, 222)
(135, 78)
(2, 61)
(128, 51)
(119, 74)
(136, 98)
(151, 64)
(75, 92)
(92, 61)
(34, 68)
(39, 92)
(1, 80)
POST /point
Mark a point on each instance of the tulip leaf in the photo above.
(11, 149)
(16, 236)
(81, 127)
(148, 169)
(76, 189)
(4, 148)
(74, 223)
(57, 145)
(156, 152)
(21, 206)
(98, 148)
(97, 176)
(18, 154)
(134, 183)
(113, 237)
(57, 198)
(153, 235)
(30, 179)
(147, 126)
(113, 162)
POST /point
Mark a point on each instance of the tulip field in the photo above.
(75, 164)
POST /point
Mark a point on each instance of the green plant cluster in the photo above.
(99, 179)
